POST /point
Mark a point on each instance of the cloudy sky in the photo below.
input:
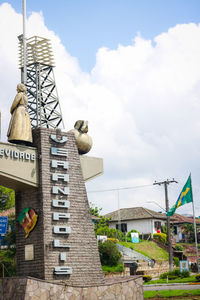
(132, 69)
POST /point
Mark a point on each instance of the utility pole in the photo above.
(166, 182)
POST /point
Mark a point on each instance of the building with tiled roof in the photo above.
(180, 219)
(144, 220)
(178, 222)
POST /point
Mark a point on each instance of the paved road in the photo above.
(174, 286)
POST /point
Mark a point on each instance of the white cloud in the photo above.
(142, 102)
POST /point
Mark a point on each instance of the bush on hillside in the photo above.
(109, 254)
(113, 240)
(178, 248)
(161, 237)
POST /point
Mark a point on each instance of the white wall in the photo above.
(143, 226)
(178, 236)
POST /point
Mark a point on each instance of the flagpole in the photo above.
(195, 228)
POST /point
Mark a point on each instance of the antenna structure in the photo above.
(43, 105)
(36, 64)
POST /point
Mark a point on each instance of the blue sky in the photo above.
(132, 69)
(85, 26)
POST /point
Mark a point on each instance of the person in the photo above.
(19, 130)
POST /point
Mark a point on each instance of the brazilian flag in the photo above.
(184, 197)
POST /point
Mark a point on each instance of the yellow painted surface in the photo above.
(17, 172)
(91, 167)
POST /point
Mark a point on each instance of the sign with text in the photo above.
(101, 238)
(3, 225)
(18, 166)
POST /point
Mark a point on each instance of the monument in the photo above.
(56, 249)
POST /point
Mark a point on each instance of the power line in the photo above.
(122, 188)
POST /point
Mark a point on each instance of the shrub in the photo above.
(197, 277)
(147, 278)
(161, 237)
(178, 248)
(185, 274)
(113, 240)
(176, 261)
(109, 254)
(172, 277)
(7, 261)
(128, 237)
(175, 274)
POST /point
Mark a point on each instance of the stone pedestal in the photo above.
(63, 241)
(127, 288)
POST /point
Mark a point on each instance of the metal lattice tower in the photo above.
(43, 105)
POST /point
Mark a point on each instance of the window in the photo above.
(157, 225)
(175, 229)
(122, 227)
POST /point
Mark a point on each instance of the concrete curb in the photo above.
(167, 284)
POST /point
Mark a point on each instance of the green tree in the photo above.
(101, 225)
(7, 198)
(164, 228)
(102, 222)
(110, 233)
(94, 210)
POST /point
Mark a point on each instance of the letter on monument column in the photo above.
(60, 203)
(58, 244)
(56, 190)
(62, 141)
(62, 270)
(59, 163)
(57, 176)
(59, 216)
(61, 229)
(59, 151)
(63, 256)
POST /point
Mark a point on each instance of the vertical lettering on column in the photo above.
(59, 181)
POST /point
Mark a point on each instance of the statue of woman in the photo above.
(19, 131)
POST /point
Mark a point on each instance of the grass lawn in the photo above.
(149, 249)
(177, 280)
(171, 293)
(113, 269)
